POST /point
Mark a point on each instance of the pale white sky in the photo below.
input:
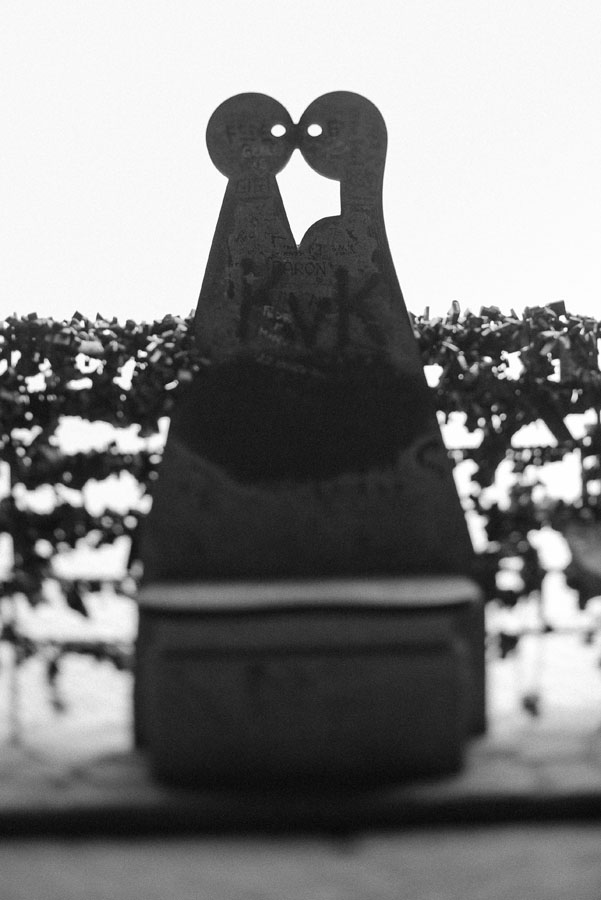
(109, 198)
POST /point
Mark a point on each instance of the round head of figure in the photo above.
(250, 133)
(341, 133)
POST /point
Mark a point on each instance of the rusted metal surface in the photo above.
(308, 445)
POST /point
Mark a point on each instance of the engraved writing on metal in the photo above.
(308, 444)
(337, 290)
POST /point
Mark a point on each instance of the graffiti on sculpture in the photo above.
(337, 291)
(308, 444)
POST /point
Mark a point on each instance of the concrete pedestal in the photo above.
(322, 683)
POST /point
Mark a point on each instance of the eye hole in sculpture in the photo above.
(250, 132)
(314, 130)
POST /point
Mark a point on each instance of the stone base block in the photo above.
(317, 683)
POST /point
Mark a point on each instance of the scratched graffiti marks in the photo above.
(308, 443)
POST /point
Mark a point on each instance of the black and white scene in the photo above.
(300, 450)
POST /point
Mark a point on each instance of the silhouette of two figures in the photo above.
(308, 446)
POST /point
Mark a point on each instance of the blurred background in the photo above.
(109, 201)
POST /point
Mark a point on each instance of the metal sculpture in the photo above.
(308, 445)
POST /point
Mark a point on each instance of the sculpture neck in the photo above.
(352, 200)
(361, 189)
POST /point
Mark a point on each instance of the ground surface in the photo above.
(529, 863)
(76, 770)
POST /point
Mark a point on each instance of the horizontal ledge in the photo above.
(395, 593)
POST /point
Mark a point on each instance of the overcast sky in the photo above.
(109, 198)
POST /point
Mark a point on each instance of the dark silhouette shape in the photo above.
(309, 444)
(252, 231)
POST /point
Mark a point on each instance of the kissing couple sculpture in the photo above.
(307, 444)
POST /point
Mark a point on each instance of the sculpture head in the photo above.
(341, 134)
(250, 133)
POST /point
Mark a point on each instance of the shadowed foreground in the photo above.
(78, 770)
(534, 862)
